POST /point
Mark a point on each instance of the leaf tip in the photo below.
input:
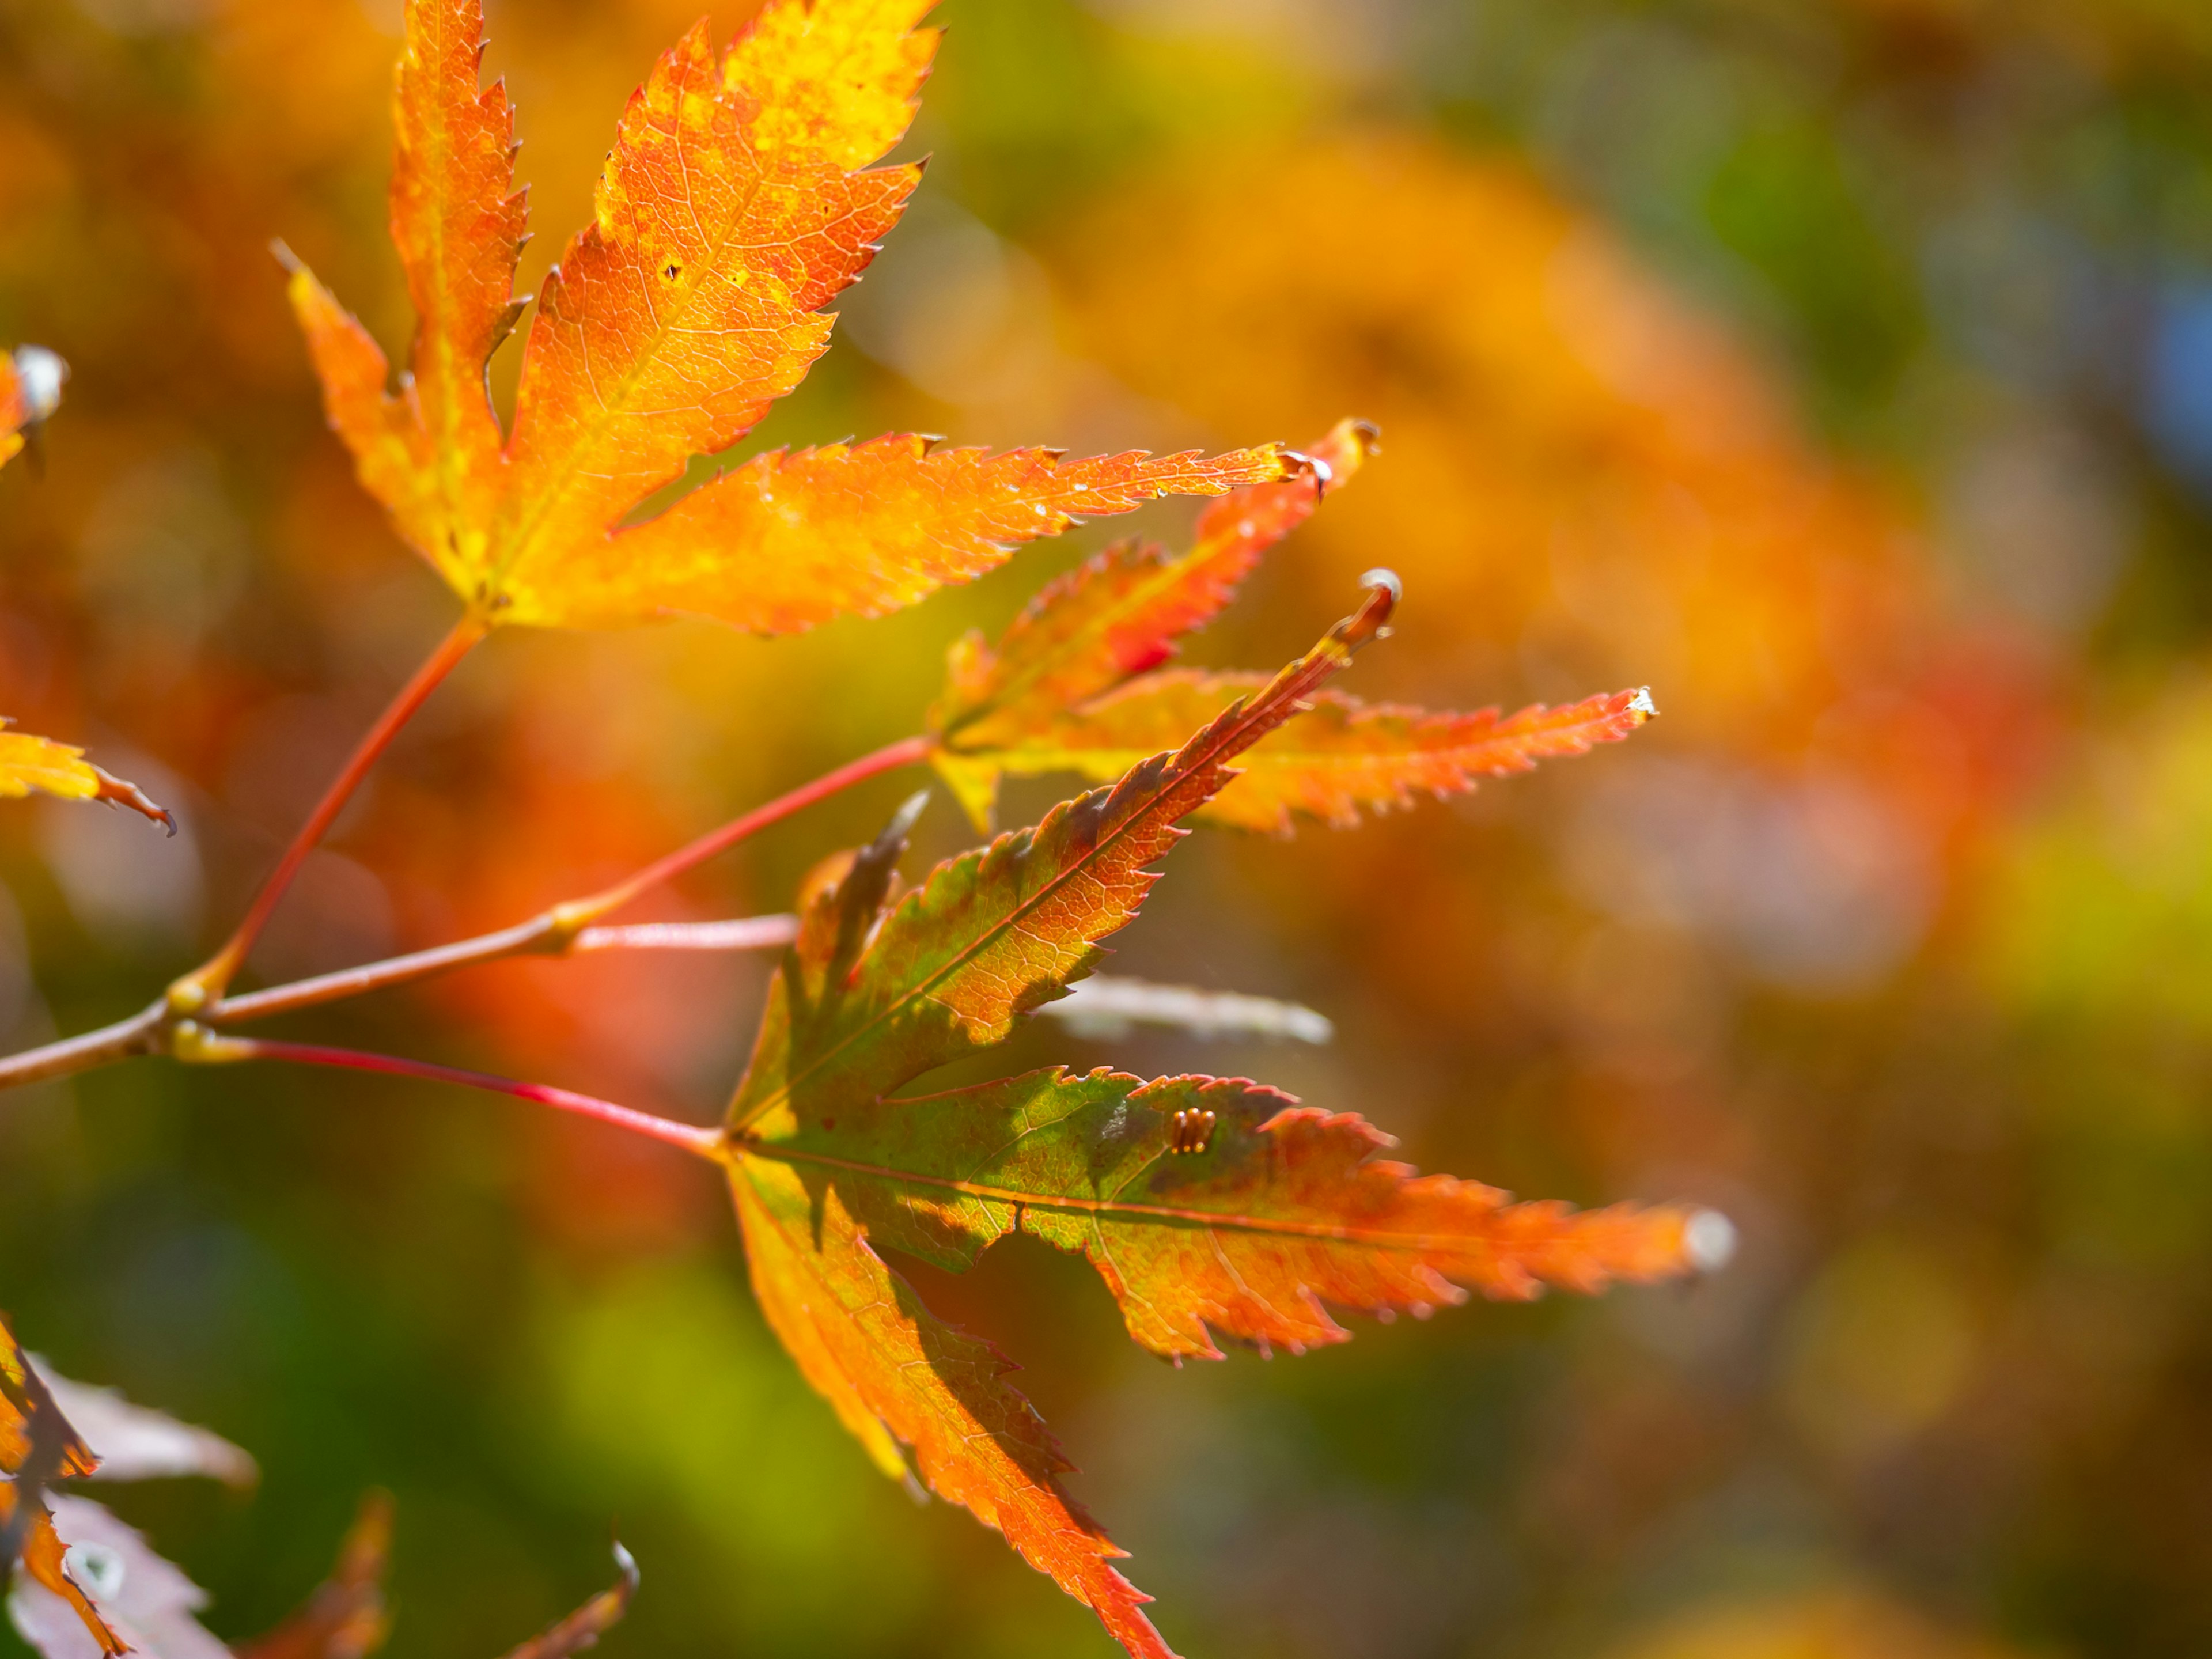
(1641, 705)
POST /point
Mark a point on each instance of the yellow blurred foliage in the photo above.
(1836, 1623)
(1574, 459)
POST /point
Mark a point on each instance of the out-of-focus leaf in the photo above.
(583, 1628)
(1121, 611)
(128, 1595)
(1339, 758)
(132, 1442)
(29, 762)
(1201, 1203)
(1106, 1005)
(31, 381)
(345, 1618)
(739, 197)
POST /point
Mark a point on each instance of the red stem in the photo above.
(206, 983)
(907, 751)
(700, 1142)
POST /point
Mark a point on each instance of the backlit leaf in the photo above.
(1065, 688)
(1207, 1206)
(740, 196)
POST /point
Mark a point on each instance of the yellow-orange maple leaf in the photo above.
(1055, 693)
(739, 197)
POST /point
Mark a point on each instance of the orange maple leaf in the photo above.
(1066, 690)
(740, 196)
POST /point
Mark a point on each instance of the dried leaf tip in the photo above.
(1709, 1240)
(121, 792)
(1372, 620)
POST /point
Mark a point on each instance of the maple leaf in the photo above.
(740, 196)
(31, 381)
(1065, 688)
(28, 763)
(1205, 1204)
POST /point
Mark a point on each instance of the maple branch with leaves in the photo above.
(742, 194)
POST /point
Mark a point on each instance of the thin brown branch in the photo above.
(141, 1034)
(564, 928)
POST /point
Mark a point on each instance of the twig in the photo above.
(138, 1035)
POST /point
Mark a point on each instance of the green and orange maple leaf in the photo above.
(740, 196)
(1207, 1205)
(1066, 687)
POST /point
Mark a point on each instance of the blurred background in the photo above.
(1841, 369)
